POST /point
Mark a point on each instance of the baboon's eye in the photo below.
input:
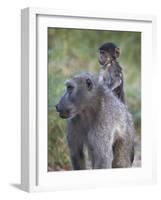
(102, 52)
(89, 84)
(70, 88)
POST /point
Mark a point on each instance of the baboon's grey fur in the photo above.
(98, 119)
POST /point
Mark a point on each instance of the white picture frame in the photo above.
(34, 173)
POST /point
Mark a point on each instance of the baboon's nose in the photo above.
(57, 108)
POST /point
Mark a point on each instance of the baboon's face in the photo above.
(104, 57)
(79, 91)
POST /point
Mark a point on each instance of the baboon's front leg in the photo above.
(103, 162)
(101, 155)
(77, 159)
(75, 144)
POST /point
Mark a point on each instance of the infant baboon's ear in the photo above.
(89, 84)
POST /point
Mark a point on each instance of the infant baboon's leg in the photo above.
(75, 143)
(122, 154)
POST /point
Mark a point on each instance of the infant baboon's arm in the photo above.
(111, 76)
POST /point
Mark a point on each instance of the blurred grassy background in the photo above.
(72, 51)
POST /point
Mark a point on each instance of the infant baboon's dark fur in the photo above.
(98, 119)
(110, 71)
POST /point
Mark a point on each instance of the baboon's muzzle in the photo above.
(62, 112)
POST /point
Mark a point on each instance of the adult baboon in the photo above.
(111, 71)
(97, 119)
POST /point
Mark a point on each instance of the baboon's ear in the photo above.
(117, 52)
(89, 84)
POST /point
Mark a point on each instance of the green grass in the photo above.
(73, 51)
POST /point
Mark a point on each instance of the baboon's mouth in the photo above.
(63, 116)
(67, 115)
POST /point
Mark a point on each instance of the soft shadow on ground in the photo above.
(16, 185)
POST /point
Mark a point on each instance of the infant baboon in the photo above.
(97, 119)
(111, 71)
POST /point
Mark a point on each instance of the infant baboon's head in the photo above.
(80, 90)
